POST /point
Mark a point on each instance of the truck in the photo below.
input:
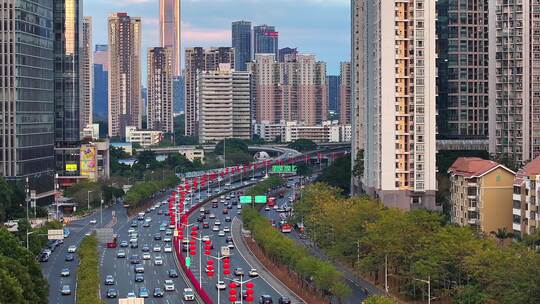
(114, 242)
(271, 201)
(286, 228)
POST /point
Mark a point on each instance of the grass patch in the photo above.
(88, 273)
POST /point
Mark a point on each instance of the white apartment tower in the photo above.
(396, 40)
(160, 89)
(87, 74)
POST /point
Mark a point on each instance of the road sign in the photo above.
(104, 235)
(291, 169)
(260, 199)
(131, 301)
(245, 199)
(55, 234)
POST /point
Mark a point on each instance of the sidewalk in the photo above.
(241, 247)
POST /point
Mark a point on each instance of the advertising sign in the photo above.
(71, 167)
(55, 234)
(89, 161)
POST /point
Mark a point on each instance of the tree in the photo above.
(379, 300)
(233, 144)
(338, 174)
(340, 290)
(303, 145)
(501, 235)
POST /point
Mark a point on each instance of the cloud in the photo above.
(196, 36)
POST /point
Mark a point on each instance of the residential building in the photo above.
(193, 154)
(90, 162)
(144, 138)
(90, 132)
(178, 94)
(27, 129)
(200, 59)
(266, 98)
(334, 93)
(345, 93)
(100, 108)
(481, 194)
(125, 102)
(170, 31)
(514, 80)
(328, 131)
(160, 90)
(285, 52)
(87, 74)
(241, 42)
(270, 131)
(224, 97)
(399, 97)
(144, 101)
(462, 78)
(525, 199)
(265, 40)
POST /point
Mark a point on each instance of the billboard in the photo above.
(71, 167)
(88, 157)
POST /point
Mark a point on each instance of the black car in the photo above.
(139, 277)
(112, 293)
(200, 219)
(157, 237)
(70, 257)
(172, 273)
(229, 206)
(44, 257)
(158, 292)
(265, 299)
(134, 224)
(229, 239)
(145, 248)
(284, 300)
(135, 259)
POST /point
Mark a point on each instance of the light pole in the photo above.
(218, 258)
(88, 197)
(27, 240)
(241, 283)
(101, 211)
(428, 282)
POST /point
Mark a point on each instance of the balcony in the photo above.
(473, 209)
(473, 221)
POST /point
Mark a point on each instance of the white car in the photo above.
(221, 233)
(215, 228)
(158, 261)
(188, 294)
(167, 248)
(220, 285)
(217, 223)
(157, 248)
(167, 239)
(239, 206)
(253, 273)
(226, 229)
(212, 216)
(72, 249)
(65, 272)
(146, 256)
(169, 285)
(205, 238)
(131, 294)
(93, 222)
(267, 208)
(276, 207)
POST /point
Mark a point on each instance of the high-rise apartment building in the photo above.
(200, 59)
(26, 92)
(170, 30)
(333, 82)
(514, 79)
(101, 83)
(159, 111)
(87, 74)
(396, 41)
(286, 51)
(462, 81)
(224, 97)
(265, 40)
(294, 90)
(125, 103)
(241, 42)
(345, 93)
(178, 94)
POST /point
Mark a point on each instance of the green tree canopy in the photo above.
(303, 145)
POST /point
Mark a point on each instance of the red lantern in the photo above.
(192, 242)
(250, 298)
(250, 292)
(232, 298)
(226, 260)
(193, 232)
(232, 292)
(232, 285)
(207, 252)
(250, 285)
(192, 248)
(192, 253)
(210, 262)
(210, 268)
(193, 228)
(208, 242)
(226, 266)
(226, 272)
(210, 273)
(207, 247)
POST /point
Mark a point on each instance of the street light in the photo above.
(428, 282)
(88, 197)
(241, 283)
(27, 234)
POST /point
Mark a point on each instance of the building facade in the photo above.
(87, 74)
(481, 194)
(285, 52)
(27, 132)
(345, 93)
(100, 108)
(524, 199)
(241, 42)
(265, 40)
(199, 59)
(334, 94)
(170, 31)
(224, 97)
(144, 138)
(328, 131)
(398, 76)
(125, 102)
(160, 90)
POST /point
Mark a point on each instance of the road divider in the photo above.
(88, 283)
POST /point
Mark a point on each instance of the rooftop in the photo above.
(531, 168)
(473, 166)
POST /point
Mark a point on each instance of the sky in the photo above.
(320, 27)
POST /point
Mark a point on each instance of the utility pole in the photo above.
(428, 282)
(27, 191)
(386, 273)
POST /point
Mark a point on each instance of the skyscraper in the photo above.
(265, 40)
(178, 94)
(224, 97)
(333, 93)
(159, 111)
(462, 80)
(125, 103)
(345, 93)
(514, 80)
(241, 42)
(399, 74)
(27, 112)
(100, 107)
(286, 51)
(87, 74)
(170, 30)
(200, 59)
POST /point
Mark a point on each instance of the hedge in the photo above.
(88, 280)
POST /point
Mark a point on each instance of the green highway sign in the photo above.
(284, 169)
(260, 199)
(188, 261)
(245, 199)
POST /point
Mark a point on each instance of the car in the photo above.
(167, 248)
(228, 219)
(134, 224)
(229, 206)
(146, 224)
(72, 249)
(157, 237)
(66, 233)
(169, 285)
(226, 229)
(284, 300)
(212, 216)
(145, 248)
(121, 254)
(205, 238)
(64, 272)
(225, 211)
(275, 207)
(220, 285)
(265, 299)
(44, 257)
(200, 219)
(146, 256)
(93, 222)
(69, 257)
(162, 228)
(158, 292)
(158, 261)
(157, 248)
(66, 290)
(221, 233)
(139, 268)
(206, 225)
(131, 295)
(109, 280)
(133, 243)
(215, 228)
(280, 210)
(168, 232)
(124, 244)
(143, 292)
(202, 210)
(160, 212)
(167, 239)
(189, 295)
(217, 222)
(134, 259)
(253, 273)
(267, 208)
(239, 271)
(139, 277)
(239, 207)
(229, 239)
(112, 293)
(172, 273)
(239, 211)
